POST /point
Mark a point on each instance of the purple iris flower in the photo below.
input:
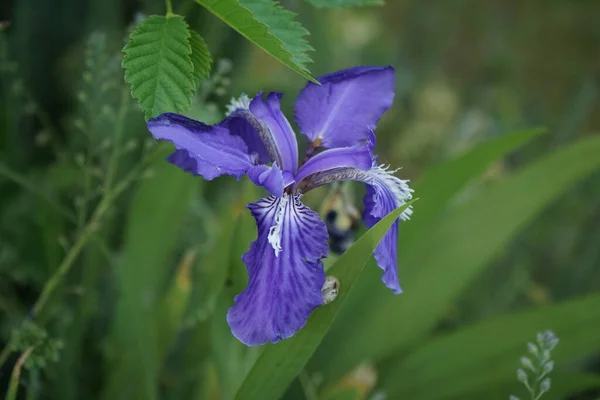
(284, 263)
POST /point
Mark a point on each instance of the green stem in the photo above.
(71, 256)
(23, 182)
(4, 354)
(169, 7)
(119, 128)
(16, 374)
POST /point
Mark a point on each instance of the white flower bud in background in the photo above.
(548, 367)
(533, 349)
(526, 362)
(545, 385)
(521, 376)
(539, 364)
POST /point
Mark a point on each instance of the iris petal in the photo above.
(356, 157)
(205, 150)
(282, 137)
(270, 178)
(385, 193)
(285, 282)
(346, 107)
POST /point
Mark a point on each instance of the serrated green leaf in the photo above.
(465, 241)
(200, 58)
(158, 65)
(280, 363)
(269, 26)
(345, 3)
(466, 361)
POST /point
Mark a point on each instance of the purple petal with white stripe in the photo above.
(205, 150)
(347, 105)
(285, 272)
(282, 141)
(385, 193)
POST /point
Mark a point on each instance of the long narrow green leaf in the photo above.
(438, 268)
(269, 26)
(155, 219)
(469, 359)
(436, 188)
(443, 182)
(280, 363)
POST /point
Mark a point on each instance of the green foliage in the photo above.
(43, 349)
(345, 3)
(158, 65)
(138, 295)
(151, 236)
(200, 58)
(267, 25)
(514, 200)
(280, 363)
(483, 364)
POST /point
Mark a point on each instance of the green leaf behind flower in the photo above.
(280, 363)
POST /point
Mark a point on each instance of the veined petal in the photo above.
(238, 124)
(358, 157)
(270, 178)
(282, 137)
(285, 272)
(346, 106)
(385, 193)
(204, 150)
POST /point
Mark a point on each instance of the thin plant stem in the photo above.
(169, 7)
(4, 354)
(88, 231)
(16, 374)
(23, 182)
(119, 128)
(92, 225)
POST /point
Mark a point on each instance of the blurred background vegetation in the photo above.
(140, 311)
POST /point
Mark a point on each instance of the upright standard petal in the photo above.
(346, 106)
(282, 140)
(238, 124)
(205, 150)
(385, 193)
(285, 272)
